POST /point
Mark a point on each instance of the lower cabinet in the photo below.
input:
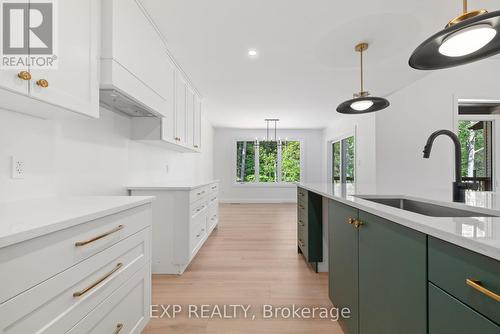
(378, 270)
(447, 315)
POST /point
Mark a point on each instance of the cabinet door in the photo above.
(190, 117)
(9, 80)
(180, 109)
(74, 85)
(168, 122)
(197, 123)
(343, 262)
(392, 278)
(447, 315)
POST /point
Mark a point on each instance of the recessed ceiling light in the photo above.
(252, 53)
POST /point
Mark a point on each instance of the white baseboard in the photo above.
(256, 201)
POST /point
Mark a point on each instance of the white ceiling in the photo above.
(306, 64)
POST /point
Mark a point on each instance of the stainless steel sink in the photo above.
(424, 208)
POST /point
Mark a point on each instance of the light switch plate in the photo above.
(17, 168)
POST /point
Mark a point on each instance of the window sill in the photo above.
(265, 185)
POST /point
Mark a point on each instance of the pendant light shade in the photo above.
(467, 38)
(362, 102)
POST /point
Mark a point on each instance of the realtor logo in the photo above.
(28, 34)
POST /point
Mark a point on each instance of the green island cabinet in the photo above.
(377, 270)
(397, 280)
(310, 226)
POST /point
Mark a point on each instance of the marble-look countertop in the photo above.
(28, 219)
(179, 185)
(478, 234)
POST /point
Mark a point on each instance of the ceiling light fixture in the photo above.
(362, 102)
(252, 53)
(467, 38)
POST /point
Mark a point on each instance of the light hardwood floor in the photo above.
(251, 259)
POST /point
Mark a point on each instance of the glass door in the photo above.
(343, 160)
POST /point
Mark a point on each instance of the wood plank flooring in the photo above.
(251, 259)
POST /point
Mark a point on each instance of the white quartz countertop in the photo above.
(179, 185)
(478, 234)
(27, 219)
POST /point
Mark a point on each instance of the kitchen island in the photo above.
(400, 271)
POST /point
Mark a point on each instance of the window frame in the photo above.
(257, 183)
(340, 139)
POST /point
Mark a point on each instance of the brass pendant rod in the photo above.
(361, 57)
(465, 6)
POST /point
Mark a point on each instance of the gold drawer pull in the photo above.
(301, 223)
(24, 75)
(42, 83)
(86, 242)
(475, 284)
(100, 280)
(195, 146)
(214, 187)
(118, 328)
(301, 243)
(351, 221)
(300, 206)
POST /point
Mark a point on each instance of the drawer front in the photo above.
(213, 215)
(198, 232)
(301, 193)
(26, 264)
(197, 194)
(198, 209)
(213, 198)
(126, 311)
(447, 315)
(213, 188)
(451, 266)
(57, 304)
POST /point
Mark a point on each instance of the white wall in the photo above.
(363, 127)
(225, 165)
(89, 157)
(415, 112)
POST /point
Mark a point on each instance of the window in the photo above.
(268, 162)
(476, 141)
(343, 160)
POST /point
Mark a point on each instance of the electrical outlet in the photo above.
(17, 168)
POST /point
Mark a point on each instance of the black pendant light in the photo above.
(362, 102)
(469, 37)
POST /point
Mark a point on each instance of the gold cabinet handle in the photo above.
(24, 75)
(351, 220)
(118, 328)
(214, 187)
(86, 242)
(475, 284)
(195, 146)
(42, 83)
(99, 281)
(358, 223)
(301, 243)
(302, 207)
(301, 223)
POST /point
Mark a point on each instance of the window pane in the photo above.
(268, 158)
(290, 161)
(245, 161)
(336, 159)
(476, 141)
(350, 159)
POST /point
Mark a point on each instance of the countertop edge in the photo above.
(166, 187)
(22, 236)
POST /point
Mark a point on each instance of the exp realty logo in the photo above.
(29, 36)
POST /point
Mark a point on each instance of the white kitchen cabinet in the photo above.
(95, 255)
(184, 216)
(180, 110)
(190, 117)
(74, 84)
(197, 123)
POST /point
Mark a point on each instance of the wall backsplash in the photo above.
(89, 157)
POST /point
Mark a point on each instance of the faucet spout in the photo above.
(458, 150)
(458, 186)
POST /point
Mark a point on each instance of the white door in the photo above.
(190, 118)
(180, 110)
(197, 123)
(74, 84)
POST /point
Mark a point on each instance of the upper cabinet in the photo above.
(136, 64)
(65, 77)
